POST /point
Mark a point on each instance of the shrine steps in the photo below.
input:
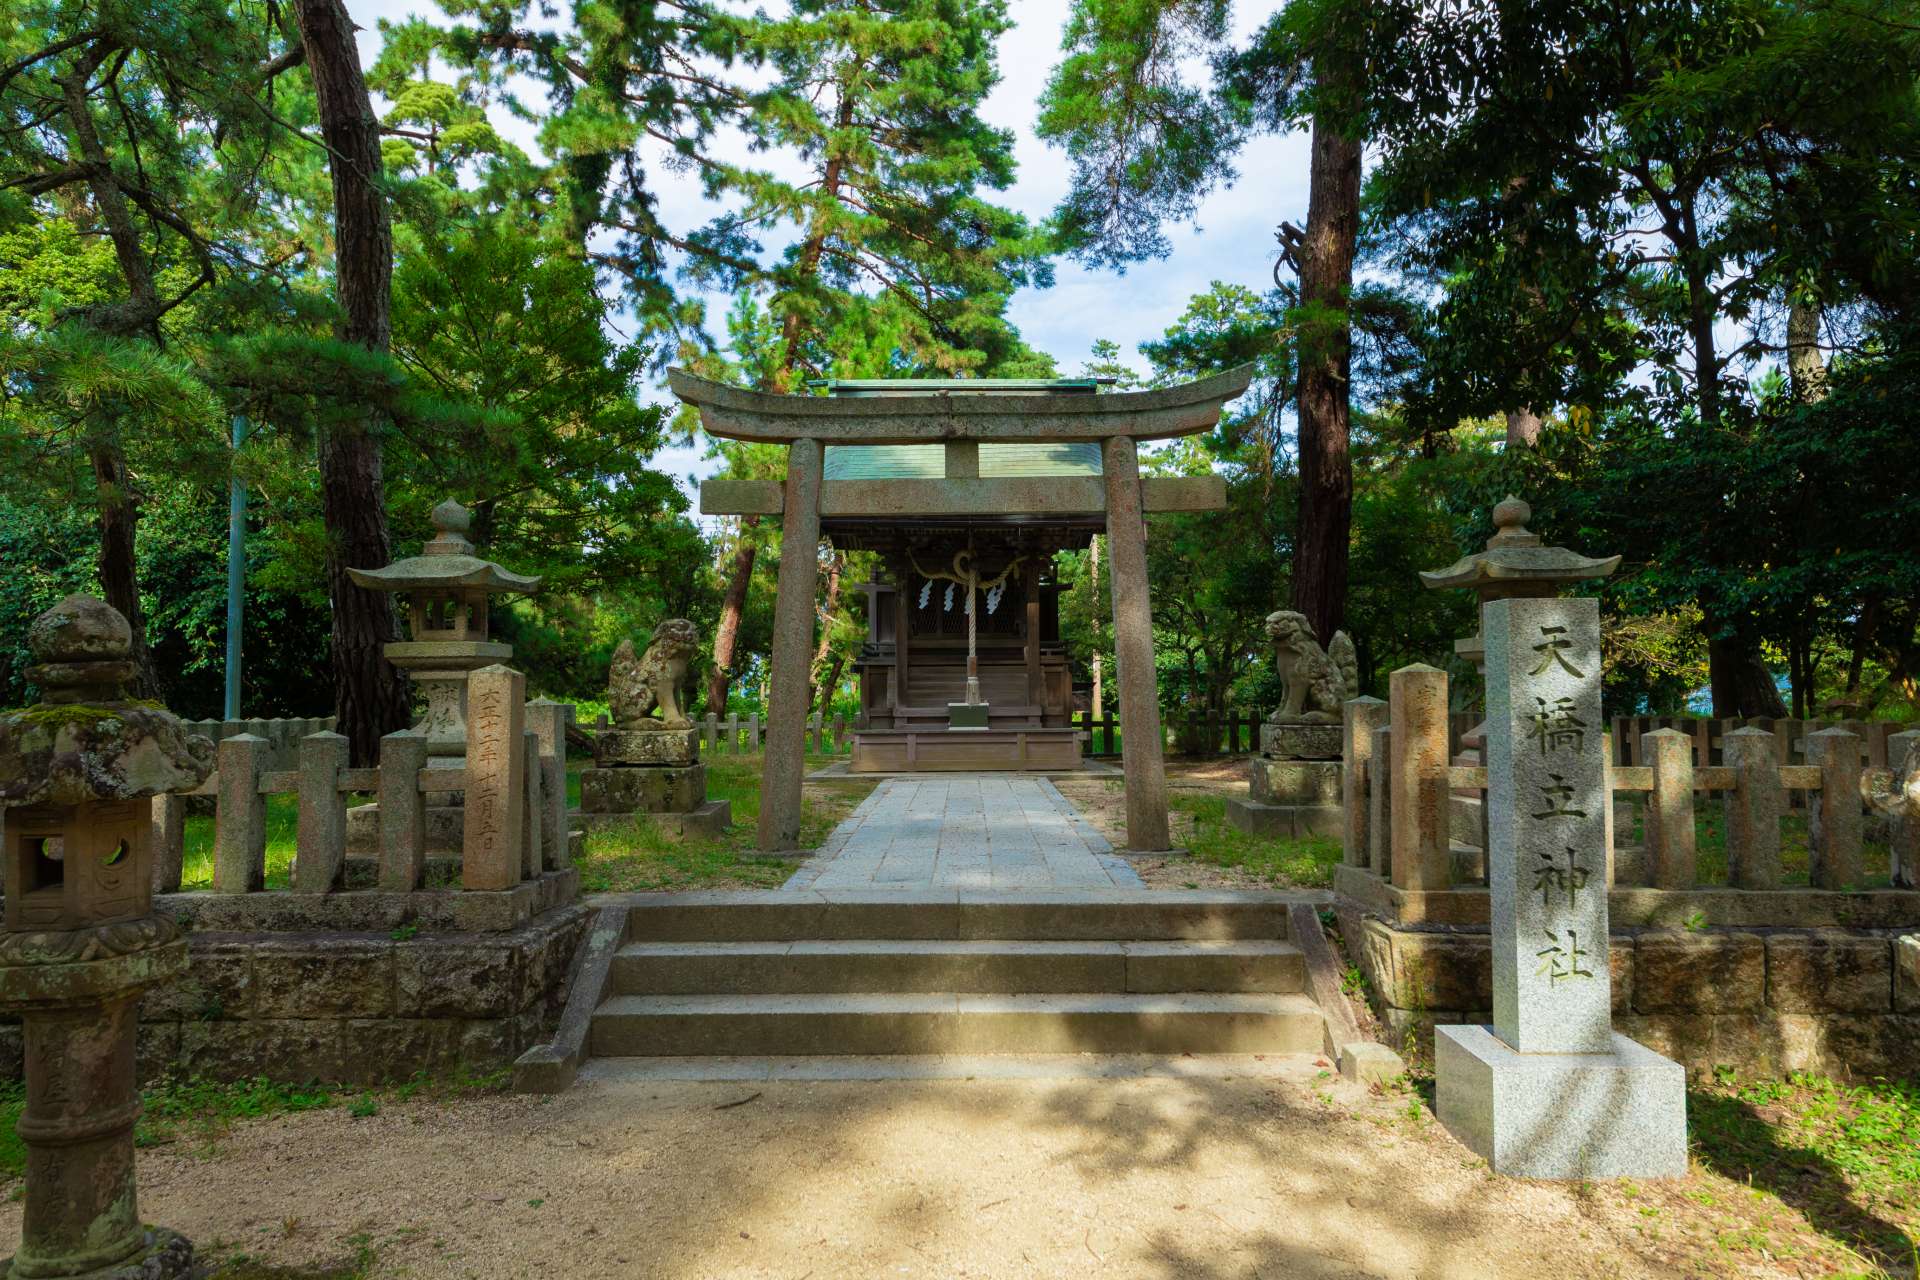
(921, 985)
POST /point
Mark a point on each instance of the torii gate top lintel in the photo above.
(735, 413)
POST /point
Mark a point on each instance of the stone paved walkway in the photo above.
(965, 832)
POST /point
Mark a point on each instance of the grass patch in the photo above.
(1710, 841)
(637, 858)
(1301, 863)
(620, 860)
(1846, 1157)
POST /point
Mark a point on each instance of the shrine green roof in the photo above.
(928, 461)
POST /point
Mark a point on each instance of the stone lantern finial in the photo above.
(451, 521)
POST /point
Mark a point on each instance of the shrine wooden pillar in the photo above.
(1036, 696)
(1141, 740)
(902, 624)
(784, 767)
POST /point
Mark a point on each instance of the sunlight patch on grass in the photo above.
(1305, 863)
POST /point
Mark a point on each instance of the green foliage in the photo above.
(1145, 145)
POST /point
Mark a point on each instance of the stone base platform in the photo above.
(707, 821)
(627, 789)
(1284, 821)
(1562, 1115)
(646, 746)
(1315, 783)
(1298, 740)
(167, 1255)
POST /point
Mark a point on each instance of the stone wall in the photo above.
(354, 1007)
(1761, 1000)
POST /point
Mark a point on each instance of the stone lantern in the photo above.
(77, 775)
(449, 589)
(1515, 565)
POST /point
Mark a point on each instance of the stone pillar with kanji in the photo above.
(1551, 1090)
(78, 772)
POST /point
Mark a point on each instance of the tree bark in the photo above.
(1326, 469)
(831, 683)
(1739, 682)
(370, 698)
(1099, 692)
(1523, 428)
(835, 567)
(118, 571)
(727, 634)
(118, 514)
(1805, 368)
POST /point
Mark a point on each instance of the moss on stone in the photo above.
(59, 715)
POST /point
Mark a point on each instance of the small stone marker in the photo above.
(1550, 1091)
(496, 779)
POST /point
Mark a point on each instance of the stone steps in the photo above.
(876, 985)
(1140, 915)
(971, 967)
(933, 1023)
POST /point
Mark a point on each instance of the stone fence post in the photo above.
(550, 720)
(1903, 837)
(532, 809)
(1380, 803)
(320, 859)
(1418, 707)
(1362, 716)
(240, 825)
(403, 811)
(1753, 809)
(169, 841)
(491, 856)
(1833, 834)
(1671, 852)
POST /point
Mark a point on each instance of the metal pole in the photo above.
(236, 571)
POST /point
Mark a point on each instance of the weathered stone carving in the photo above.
(637, 687)
(1317, 681)
(77, 773)
(647, 767)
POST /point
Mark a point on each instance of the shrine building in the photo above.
(967, 489)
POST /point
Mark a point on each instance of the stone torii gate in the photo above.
(962, 422)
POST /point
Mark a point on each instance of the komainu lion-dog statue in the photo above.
(1316, 681)
(636, 687)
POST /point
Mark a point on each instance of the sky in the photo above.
(1230, 239)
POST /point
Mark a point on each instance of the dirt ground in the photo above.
(1297, 1176)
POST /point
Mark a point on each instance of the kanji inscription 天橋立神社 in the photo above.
(1547, 864)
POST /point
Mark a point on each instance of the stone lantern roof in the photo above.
(1515, 564)
(85, 740)
(445, 563)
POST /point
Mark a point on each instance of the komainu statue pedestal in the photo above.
(647, 769)
(1294, 784)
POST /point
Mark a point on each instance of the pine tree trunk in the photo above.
(727, 634)
(118, 570)
(1740, 683)
(1326, 469)
(118, 516)
(1098, 691)
(832, 682)
(1805, 368)
(835, 567)
(370, 698)
(1523, 428)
